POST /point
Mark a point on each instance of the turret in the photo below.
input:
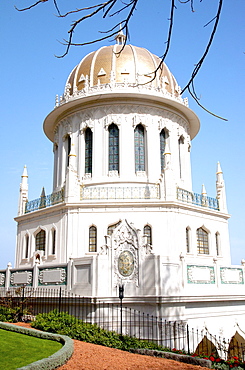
(220, 189)
(23, 198)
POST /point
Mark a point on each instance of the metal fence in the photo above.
(121, 319)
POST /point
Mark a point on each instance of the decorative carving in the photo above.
(200, 274)
(52, 276)
(21, 278)
(104, 249)
(126, 255)
(231, 275)
(119, 113)
(113, 173)
(67, 91)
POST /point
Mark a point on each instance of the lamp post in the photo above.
(121, 296)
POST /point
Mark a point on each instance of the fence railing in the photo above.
(45, 201)
(197, 199)
(114, 317)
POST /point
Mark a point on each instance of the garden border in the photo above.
(174, 356)
(55, 360)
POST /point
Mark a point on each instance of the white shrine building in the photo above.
(123, 210)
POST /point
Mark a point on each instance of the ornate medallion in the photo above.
(126, 263)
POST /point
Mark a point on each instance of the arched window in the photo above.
(68, 147)
(88, 150)
(187, 239)
(92, 239)
(180, 144)
(202, 241)
(139, 148)
(217, 243)
(26, 245)
(53, 241)
(41, 240)
(113, 147)
(111, 228)
(162, 148)
(148, 234)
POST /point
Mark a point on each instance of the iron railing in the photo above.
(197, 199)
(45, 201)
(174, 335)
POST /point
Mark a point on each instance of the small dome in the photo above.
(131, 65)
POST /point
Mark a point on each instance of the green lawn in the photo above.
(17, 350)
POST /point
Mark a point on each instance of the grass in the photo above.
(19, 350)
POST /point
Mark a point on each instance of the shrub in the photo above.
(65, 324)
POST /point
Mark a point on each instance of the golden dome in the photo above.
(131, 65)
(124, 73)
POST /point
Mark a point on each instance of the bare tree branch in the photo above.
(80, 10)
(200, 105)
(199, 64)
(31, 6)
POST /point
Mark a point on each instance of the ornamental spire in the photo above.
(120, 37)
(220, 189)
(23, 197)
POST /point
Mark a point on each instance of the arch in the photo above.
(217, 243)
(202, 241)
(162, 147)
(53, 240)
(68, 149)
(40, 240)
(180, 146)
(26, 245)
(236, 347)
(113, 147)
(93, 239)
(88, 137)
(139, 147)
(148, 234)
(188, 239)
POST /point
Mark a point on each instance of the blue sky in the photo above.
(31, 76)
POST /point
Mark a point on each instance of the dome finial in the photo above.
(120, 37)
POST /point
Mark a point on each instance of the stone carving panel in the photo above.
(52, 276)
(126, 254)
(231, 275)
(21, 278)
(200, 274)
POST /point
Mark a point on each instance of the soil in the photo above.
(89, 356)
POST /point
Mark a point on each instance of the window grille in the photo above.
(202, 241)
(92, 239)
(162, 148)
(88, 150)
(113, 147)
(187, 236)
(139, 146)
(41, 240)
